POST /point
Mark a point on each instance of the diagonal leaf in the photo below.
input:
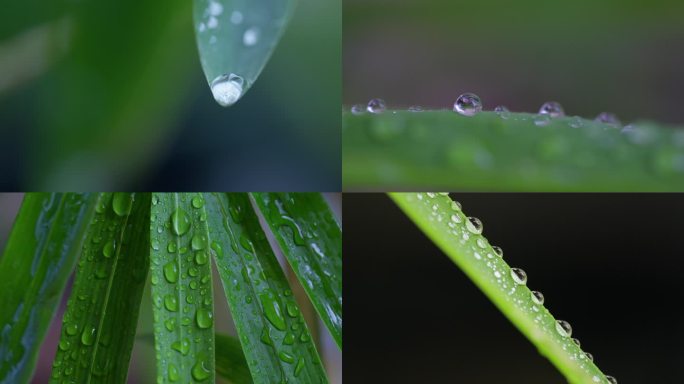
(99, 325)
(235, 40)
(230, 360)
(40, 254)
(311, 240)
(275, 338)
(181, 289)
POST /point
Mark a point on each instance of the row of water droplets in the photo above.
(469, 104)
(481, 251)
(286, 326)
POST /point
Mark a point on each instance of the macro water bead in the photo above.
(502, 112)
(376, 106)
(608, 118)
(468, 104)
(552, 108)
(227, 89)
(563, 328)
(519, 276)
(357, 109)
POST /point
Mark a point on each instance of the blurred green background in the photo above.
(622, 56)
(110, 95)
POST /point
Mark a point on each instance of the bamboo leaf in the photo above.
(230, 360)
(311, 240)
(275, 338)
(40, 254)
(443, 221)
(182, 289)
(235, 40)
(402, 150)
(99, 325)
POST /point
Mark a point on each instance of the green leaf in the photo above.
(443, 221)
(98, 328)
(235, 40)
(272, 330)
(36, 264)
(182, 289)
(311, 240)
(444, 150)
(230, 360)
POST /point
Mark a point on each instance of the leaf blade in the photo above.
(101, 317)
(311, 240)
(230, 360)
(275, 338)
(52, 226)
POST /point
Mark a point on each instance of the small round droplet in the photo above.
(227, 89)
(456, 219)
(201, 257)
(171, 272)
(576, 341)
(415, 108)
(109, 248)
(611, 379)
(200, 370)
(250, 37)
(537, 297)
(204, 318)
(468, 104)
(563, 328)
(589, 356)
(542, 120)
(376, 106)
(519, 276)
(358, 109)
(502, 112)
(552, 109)
(122, 203)
(608, 118)
(455, 206)
(171, 303)
(180, 221)
(497, 250)
(197, 202)
(474, 225)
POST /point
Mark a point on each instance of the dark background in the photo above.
(610, 264)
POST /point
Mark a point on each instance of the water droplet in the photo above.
(589, 356)
(182, 346)
(122, 203)
(171, 303)
(155, 244)
(611, 379)
(358, 109)
(552, 109)
(415, 108)
(64, 345)
(71, 329)
(236, 17)
(88, 336)
(519, 276)
(171, 272)
(468, 104)
(304, 337)
(170, 324)
(292, 309)
(198, 242)
(608, 118)
(204, 318)
(576, 341)
(197, 202)
(172, 372)
(109, 248)
(218, 250)
(497, 250)
(286, 357)
(250, 37)
(201, 257)
(289, 339)
(376, 106)
(502, 112)
(272, 311)
(542, 120)
(227, 89)
(299, 367)
(180, 222)
(200, 370)
(172, 248)
(455, 206)
(474, 225)
(266, 336)
(456, 218)
(537, 297)
(576, 122)
(563, 328)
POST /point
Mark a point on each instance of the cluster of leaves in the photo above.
(117, 238)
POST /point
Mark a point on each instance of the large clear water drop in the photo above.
(468, 104)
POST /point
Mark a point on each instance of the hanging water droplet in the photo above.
(180, 222)
(474, 225)
(502, 112)
(497, 250)
(376, 106)
(563, 328)
(576, 122)
(171, 272)
(519, 276)
(415, 108)
(611, 379)
(358, 109)
(204, 318)
(542, 120)
(537, 297)
(468, 104)
(250, 37)
(227, 89)
(122, 203)
(608, 118)
(552, 109)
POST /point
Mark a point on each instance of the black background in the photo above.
(610, 264)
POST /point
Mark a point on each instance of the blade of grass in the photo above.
(99, 324)
(275, 338)
(182, 289)
(40, 255)
(311, 240)
(449, 228)
(230, 360)
(444, 150)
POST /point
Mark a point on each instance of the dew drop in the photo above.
(218, 250)
(611, 379)
(272, 311)
(64, 345)
(299, 367)
(71, 329)
(236, 17)
(171, 272)
(172, 247)
(198, 242)
(468, 104)
(182, 346)
(227, 89)
(563, 328)
(180, 222)
(519, 276)
(289, 339)
(552, 109)
(358, 109)
(455, 219)
(109, 248)
(608, 118)
(576, 341)
(415, 108)
(474, 225)
(197, 202)
(292, 309)
(88, 336)
(122, 203)
(204, 318)
(286, 357)
(171, 303)
(589, 356)
(172, 372)
(376, 106)
(200, 372)
(250, 37)
(542, 120)
(266, 336)
(455, 206)
(576, 122)
(502, 112)
(537, 297)
(497, 250)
